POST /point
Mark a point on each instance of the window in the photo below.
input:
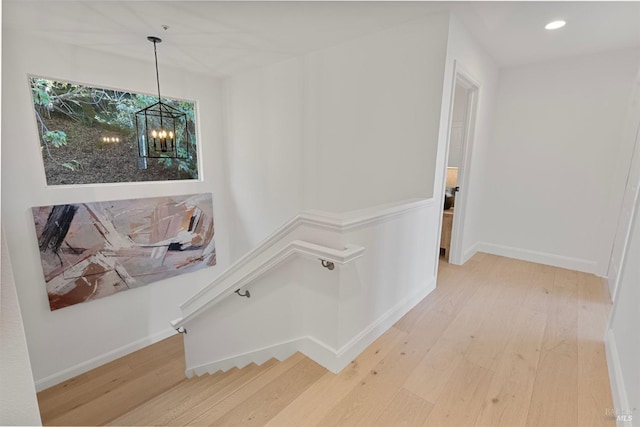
(88, 135)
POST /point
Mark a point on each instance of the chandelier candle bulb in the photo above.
(110, 139)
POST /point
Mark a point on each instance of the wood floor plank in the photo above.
(509, 393)
(176, 400)
(318, 399)
(187, 414)
(462, 397)
(539, 288)
(472, 335)
(364, 404)
(453, 276)
(265, 403)
(408, 321)
(110, 405)
(212, 413)
(77, 394)
(70, 396)
(434, 371)
(406, 409)
(500, 342)
(437, 366)
(497, 321)
(555, 390)
(184, 410)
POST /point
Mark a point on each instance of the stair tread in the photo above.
(179, 400)
(177, 396)
(226, 406)
(210, 399)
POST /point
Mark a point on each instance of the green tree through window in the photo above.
(88, 135)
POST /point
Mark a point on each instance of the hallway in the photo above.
(500, 342)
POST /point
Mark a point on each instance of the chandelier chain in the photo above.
(155, 54)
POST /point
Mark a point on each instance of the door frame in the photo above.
(463, 78)
(628, 207)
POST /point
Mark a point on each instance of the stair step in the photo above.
(208, 395)
(218, 406)
(174, 402)
(199, 402)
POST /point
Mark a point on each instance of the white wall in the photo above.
(18, 404)
(371, 118)
(467, 56)
(331, 316)
(339, 129)
(68, 341)
(549, 170)
(362, 121)
(397, 270)
(263, 117)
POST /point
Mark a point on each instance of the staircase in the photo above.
(148, 387)
(224, 398)
(325, 285)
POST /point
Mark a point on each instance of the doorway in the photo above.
(461, 129)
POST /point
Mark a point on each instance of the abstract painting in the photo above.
(92, 250)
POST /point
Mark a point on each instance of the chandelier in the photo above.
(161, 129)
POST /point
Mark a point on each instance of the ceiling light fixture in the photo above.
(554, 25)
(161, 128)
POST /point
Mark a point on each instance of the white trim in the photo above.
(570, 263)
(332, 222)
(617, 265)
(87, 365)
(473, 94)
(470, 252)
(360, 218)
(240, 263)
(333, 359)
(220, 289)
(618, 390)
(348, 254)
(355, 346)
(631, 190)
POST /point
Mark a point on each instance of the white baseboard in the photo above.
(469, 253)
(323, 354)
(83, 367)
(538, 257)
(618, 390)
(357, 344)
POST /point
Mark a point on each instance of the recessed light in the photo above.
(555, 25)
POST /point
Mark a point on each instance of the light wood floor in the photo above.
(500, 342)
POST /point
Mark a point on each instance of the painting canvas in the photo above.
(92, 250)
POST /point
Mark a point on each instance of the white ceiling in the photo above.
(513, 32)
(221, 38)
